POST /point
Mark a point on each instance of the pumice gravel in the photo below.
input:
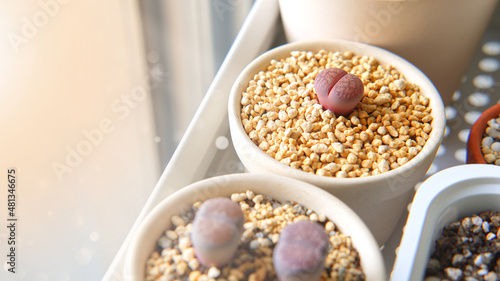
(265, 218)
(282, 115)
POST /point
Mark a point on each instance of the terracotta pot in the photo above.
(474, 153)
(378, 199)
(279, 188)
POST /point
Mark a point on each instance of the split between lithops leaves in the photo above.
(338, 90)
(217, 229)
(300, 252)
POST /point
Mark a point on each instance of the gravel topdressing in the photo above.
(281, 114)
(174, 258)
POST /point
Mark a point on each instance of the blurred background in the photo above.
(94, 98)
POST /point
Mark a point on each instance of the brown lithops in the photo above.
(338, 90)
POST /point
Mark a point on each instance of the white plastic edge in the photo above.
(192, 156)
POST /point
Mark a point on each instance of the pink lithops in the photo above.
(338, 90)
(217, 229)
(300, 252)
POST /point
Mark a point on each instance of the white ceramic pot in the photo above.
(276, 187)
(379, 199)
(438, 36)
(445, 197)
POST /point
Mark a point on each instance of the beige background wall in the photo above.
(76, 123)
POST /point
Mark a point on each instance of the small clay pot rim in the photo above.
(474, 153)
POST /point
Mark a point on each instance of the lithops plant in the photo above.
(300, 252)
(338, 90)
(217, 230)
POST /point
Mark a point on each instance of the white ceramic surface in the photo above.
(438, 36)
(445, 197)
(279, 188)
(380, 199)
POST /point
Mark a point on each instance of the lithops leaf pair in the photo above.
(217, 230)
(301, 251)
(338, 90)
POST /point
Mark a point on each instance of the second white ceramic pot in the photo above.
(278, 188)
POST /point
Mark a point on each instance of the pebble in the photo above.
(213, 272)
(495, 147)
(490, 144)
(453, 273)
(457, 259)
(177, 221)
(491, 276)
(487, 141)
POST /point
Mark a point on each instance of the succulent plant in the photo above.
(338, 90)
(300, 252)
(217, 229)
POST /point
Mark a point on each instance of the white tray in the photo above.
(206, 150)
(197, 155)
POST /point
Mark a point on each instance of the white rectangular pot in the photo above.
(445, 197)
